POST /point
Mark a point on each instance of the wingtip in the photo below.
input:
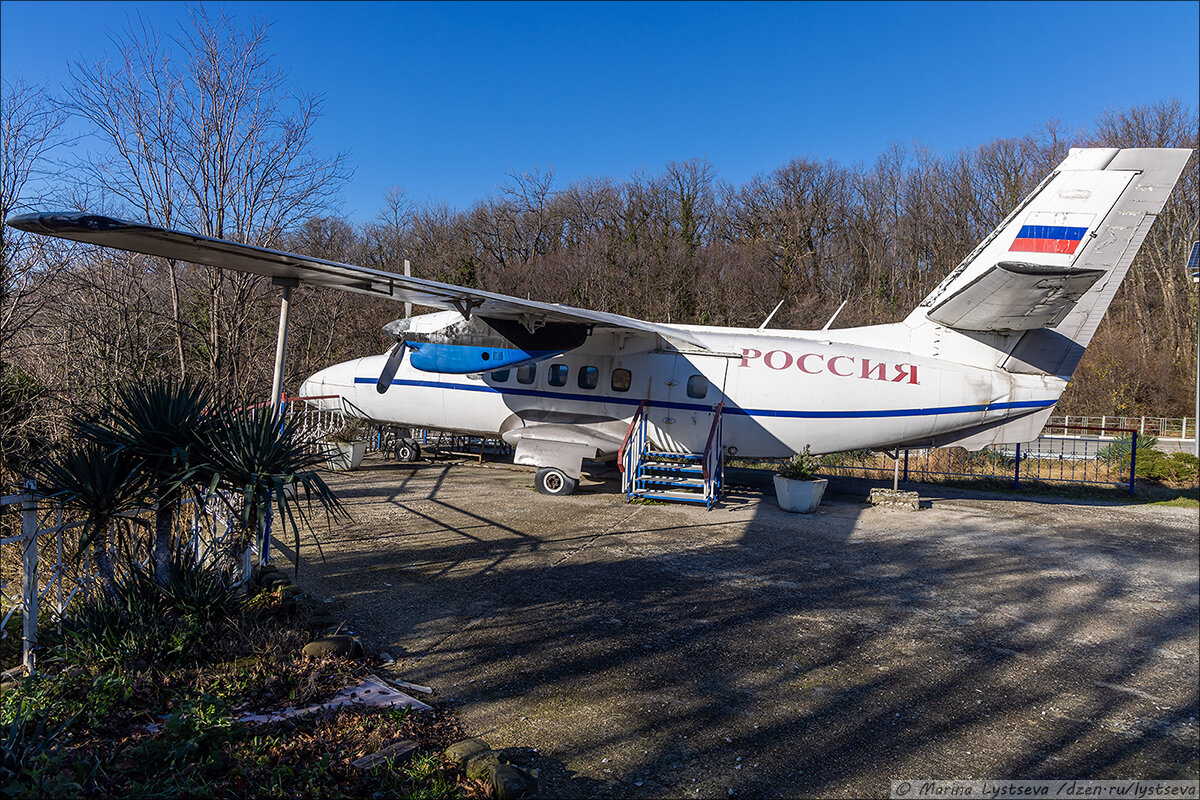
(59, 222)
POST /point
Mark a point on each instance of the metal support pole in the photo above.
(285, 307)
(1017, 470)
(29, 582)
(896, 473)
(1132, 461)
(906, 466)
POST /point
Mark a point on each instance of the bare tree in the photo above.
(213, 141)
(32, 129)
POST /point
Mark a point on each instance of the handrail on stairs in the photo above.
(629, 457)
(629, 433)
(712, 432)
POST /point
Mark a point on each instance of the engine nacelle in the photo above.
(447, 342)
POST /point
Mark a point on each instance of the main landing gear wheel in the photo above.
(408, 451)
(552, 480)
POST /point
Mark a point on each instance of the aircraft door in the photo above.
(683, 390)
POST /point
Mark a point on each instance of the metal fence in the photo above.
(52, 571)
(1075, 455)
(317, 424)
(1161, 427)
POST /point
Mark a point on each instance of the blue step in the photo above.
(681, 456)
(679, 468)
(679, 483)
(673, 497)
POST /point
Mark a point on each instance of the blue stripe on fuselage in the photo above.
(749, 412)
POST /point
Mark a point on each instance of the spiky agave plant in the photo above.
(160, 424)
(102, 486)
(263, 462)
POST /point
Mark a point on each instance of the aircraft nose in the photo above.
(336, 380)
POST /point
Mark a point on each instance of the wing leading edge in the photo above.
(193, 248)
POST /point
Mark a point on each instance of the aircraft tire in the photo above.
(408, 451)
(553, 481)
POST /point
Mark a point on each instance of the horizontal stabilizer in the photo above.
(1012, 296)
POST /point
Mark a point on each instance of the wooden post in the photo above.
(29, 583)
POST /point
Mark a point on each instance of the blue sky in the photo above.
(443, 99)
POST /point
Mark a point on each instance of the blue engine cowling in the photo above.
(459, 359)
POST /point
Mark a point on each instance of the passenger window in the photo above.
(500, 375)
(558, 374)
(588, 377)
(697, 386)
(526, 373)
(621, 380)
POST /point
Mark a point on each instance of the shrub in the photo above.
(801, 467)
(1156, 465)
(1118, 451)
(1152, 464)
(142, 620)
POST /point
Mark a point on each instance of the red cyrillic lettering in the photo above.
(833, 368)
(880, 370)
(901, 374)
(800, 363)
(746, 356)
(787, 359)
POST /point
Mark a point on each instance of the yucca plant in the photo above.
(261, 462)
(160, 425)
(101, 486)
(142, 620)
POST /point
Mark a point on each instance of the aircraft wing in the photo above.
(193, 248)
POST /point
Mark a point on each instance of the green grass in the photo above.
(1176, 502)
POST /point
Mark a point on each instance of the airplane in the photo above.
(981, 360)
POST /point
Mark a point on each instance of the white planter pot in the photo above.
(800, 497)
(346, 455)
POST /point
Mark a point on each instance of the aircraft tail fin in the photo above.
(1043, 279)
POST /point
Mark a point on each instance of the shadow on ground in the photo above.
(667, 651)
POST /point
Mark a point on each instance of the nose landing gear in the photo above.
(553, 481)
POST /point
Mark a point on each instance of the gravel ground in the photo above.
(669, 651)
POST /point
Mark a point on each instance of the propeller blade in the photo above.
(389, 369)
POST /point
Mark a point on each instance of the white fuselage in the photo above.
(782, 391)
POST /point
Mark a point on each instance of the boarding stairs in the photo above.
(652, 473)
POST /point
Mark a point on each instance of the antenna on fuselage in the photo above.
(772, 314)
(839, 310)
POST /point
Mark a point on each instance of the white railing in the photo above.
(1160, 427)
(208, 530)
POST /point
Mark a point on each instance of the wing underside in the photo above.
(282, 266)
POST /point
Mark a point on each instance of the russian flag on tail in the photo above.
(1062, 239)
